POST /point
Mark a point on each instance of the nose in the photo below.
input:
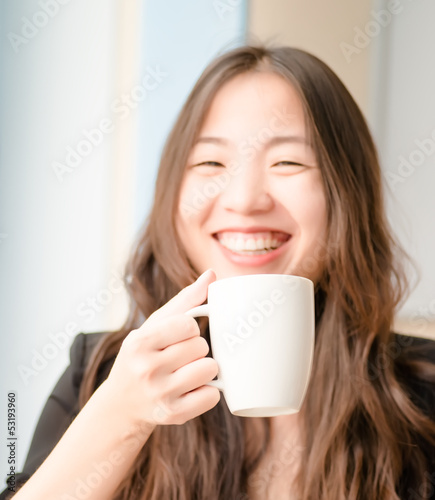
(247, 192)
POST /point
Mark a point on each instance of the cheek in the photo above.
(197, 195)
(185, 211)
(310, 215)
(314, 219)
(194, 206)
(305, 200)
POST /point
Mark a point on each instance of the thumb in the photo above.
(191, 296)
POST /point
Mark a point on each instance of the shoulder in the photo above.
(417, 345)
(410, 349)
(415, 370)
(83, 346)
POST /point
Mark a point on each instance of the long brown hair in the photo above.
(359, 423)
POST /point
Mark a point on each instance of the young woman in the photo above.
(270, 168)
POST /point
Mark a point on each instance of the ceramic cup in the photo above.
(262, 338)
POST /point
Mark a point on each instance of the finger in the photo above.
(194, 375)
(178, 355)
(191, 296)
(196, 402)
(167, 331)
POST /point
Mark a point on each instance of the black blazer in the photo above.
(62, 405)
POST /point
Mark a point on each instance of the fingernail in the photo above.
(205, 273)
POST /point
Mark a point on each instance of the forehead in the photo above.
(252, 101)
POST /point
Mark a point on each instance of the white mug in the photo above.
(262, 338)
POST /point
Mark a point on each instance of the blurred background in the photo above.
(89, 90)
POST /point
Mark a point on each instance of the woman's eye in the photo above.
(207, 167)
(211, 163)
(289, 167)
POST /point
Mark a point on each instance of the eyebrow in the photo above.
(272, 141)
(280, 139)
(212, 140)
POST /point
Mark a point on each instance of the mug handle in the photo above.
(197, 312)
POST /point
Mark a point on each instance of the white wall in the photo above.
(53, 255)
(405, 106)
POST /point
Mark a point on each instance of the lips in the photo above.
(251, 242)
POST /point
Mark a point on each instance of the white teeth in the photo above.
(249, 245)
(239, 245)
(260, 244)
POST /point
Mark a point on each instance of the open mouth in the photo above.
(259, 243)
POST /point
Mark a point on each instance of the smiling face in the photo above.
(252, 198)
